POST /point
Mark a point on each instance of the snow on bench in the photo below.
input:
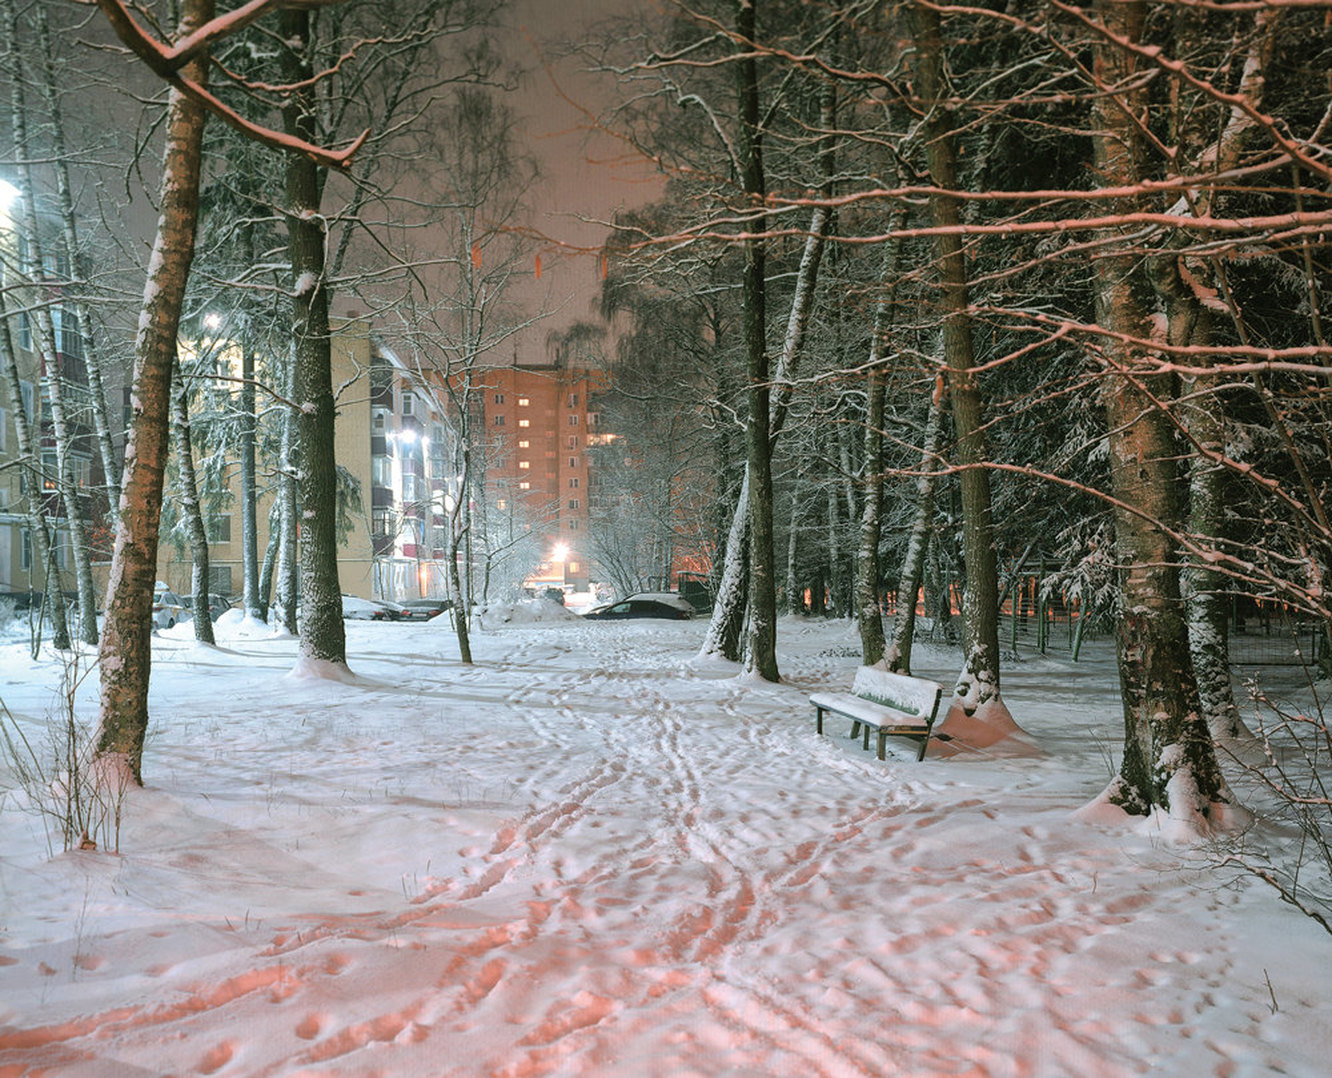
(894, 705)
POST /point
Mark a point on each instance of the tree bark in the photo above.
(191, 511)
(39, 529)
(978, 684)
(323, 632)
(125, 654)
(913, 562)
(1168, 761)
(868, 616)
(31, 259)
(761, 657)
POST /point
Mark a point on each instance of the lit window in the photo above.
(502, 504)
(573, 567)
(524, 423)
(523, 465)
(524, 485)
(524, 444)
(523, 402)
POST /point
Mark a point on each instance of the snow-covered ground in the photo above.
(593, 854)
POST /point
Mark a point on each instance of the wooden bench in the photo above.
(893, 705)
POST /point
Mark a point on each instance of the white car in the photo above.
(168, 608)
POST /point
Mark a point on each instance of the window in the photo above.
(573, 420)
(523, 465)
(411, 487)
(381, 471)
(499, 398)
(377, 423)
(573, 400)
(408, 402)
(218, 528)
(502, 504)
(50, 470)
(523, 402)
(573, 525)
(573, 482)
(573, 503)
(524, 423)
(30, 400)
(82, 469)
(25, 559)
(573, 441)
(25, 332)
(524, 485)
(524, 444)
(499, 421)
(573, 462)
(573, 567)
(379, 523)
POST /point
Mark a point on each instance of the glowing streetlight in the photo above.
(560, 552)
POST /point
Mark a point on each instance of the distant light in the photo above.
(560, 552)
(212, 320)
(407, 435)
(8, 196)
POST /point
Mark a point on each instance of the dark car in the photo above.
(423, 609)
(354, 609)
(217, 605)
(638, 608)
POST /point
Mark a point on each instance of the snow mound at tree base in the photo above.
(990, 728)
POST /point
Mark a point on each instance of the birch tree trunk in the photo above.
(69, 230)
(191, 511)
(1169, 761)
(125, 655)
(252, 599)
(913, 562)
(323, 632)
(33, 269)
(868, 617)
(978, 684)
(39, 528)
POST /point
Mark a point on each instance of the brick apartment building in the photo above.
(538, 427)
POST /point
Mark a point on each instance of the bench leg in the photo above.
(818, 720)
(855, 729)
(864, 741)
(883, 736)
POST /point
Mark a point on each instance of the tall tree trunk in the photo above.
(1168, 761)
(69, 230)
(918, 541)
(868, 617)
(287, 588)
(252, 600)
(728, 608)
(39, 529)
(32, 268)
(761, 648)
(191, 510)
(978, 684)
(323, 633)
(125, 655)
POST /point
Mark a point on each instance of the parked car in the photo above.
(670, 598)
(424, 609)
(217, 605)
(355, 609)
(168, 607)
(635, 607)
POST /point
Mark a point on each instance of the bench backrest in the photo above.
(912, 695)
